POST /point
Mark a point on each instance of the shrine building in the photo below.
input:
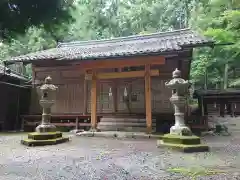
(113, 84)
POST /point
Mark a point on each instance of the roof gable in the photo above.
(155, 43)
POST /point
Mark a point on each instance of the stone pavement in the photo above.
(118, 134)
(91, 158)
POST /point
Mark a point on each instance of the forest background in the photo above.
(33, 25)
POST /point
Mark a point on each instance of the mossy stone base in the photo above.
(182, 143)
(42, 139)
(175, 139)
(44, 136)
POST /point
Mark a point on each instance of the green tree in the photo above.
(219, 20)
(17, 15)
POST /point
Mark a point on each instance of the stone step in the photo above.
(124, 124)
(125, 129)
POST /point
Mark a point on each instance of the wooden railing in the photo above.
(59, 120)
(196, 122)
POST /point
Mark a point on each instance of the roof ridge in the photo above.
(124, 38)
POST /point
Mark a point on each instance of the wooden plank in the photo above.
(71, 124)
(104, 64)
(60, 116)
(198, 126)
(94, 101)
(118, 75)
(59, 124)
(148, 98)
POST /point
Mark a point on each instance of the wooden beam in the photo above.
(120, 63)
(116, 75)
(94, 101)
(148, 98)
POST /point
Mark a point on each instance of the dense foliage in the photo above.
(221, 21)
(112, 18)
(17, 15)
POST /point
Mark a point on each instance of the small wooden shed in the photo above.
(15, 99)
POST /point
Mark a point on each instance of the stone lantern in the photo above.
(46, 133)
(179, 100)
(47, 93)
(180, 136)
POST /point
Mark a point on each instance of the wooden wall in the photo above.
(70, 95)
(70, 89)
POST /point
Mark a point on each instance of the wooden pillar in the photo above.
(115, 97)
(114, 92)
(94, 101)
(85, 96)
(77, 121)
(148, 99)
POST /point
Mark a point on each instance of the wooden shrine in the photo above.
(122, 77)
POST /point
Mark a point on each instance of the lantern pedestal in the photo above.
(44, 138)
(180, 137)
(182, 143)
(46, 133)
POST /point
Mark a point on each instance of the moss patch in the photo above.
(44, 136)
(186, 148)
(194, 172)
(32, 142)
(186, 140)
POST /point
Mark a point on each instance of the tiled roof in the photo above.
(156, 43)
(12, 74)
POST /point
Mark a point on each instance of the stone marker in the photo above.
(46, 133)
(180, 136)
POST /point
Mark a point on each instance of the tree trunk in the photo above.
(225, 78)
(205, 79)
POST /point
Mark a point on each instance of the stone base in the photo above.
(42, 128)
(182, 143)
(180, 130)
(42, 139)
(94, 130)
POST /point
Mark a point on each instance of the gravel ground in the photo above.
(89, 158)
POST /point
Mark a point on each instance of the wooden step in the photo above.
(138, 120)
(124, 124)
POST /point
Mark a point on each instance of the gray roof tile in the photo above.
(12, 74)
(118, 47)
